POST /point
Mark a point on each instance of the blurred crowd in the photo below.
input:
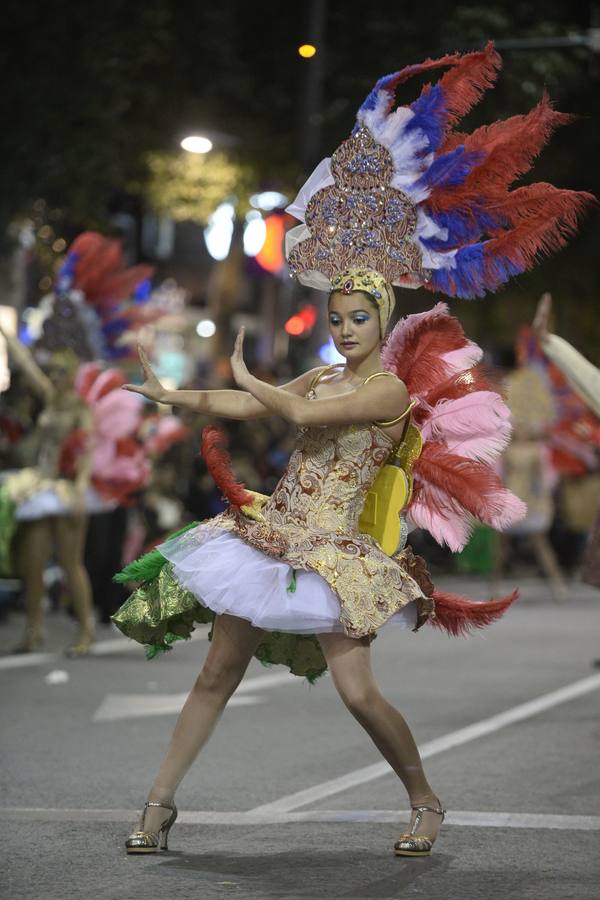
(562, 497)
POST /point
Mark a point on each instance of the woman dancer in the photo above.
(50, 501)
(300, 578)
(80, 438)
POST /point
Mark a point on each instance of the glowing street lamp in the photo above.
(307, 51)
(205, 328)
(196, 143)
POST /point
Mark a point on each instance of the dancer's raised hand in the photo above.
(241, 374)
(151, 388)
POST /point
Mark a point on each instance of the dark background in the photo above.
(89, 90)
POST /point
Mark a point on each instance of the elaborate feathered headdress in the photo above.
(425, 205)
(110, 297)
(95, 299)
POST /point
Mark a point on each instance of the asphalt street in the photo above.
(289, 798)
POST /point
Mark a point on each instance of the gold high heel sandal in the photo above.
(411, 844)
(32, 639)
(83, 644)
(152, 841)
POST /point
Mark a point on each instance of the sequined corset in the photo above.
(327, 477)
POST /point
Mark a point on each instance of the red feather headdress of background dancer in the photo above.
(424, 205)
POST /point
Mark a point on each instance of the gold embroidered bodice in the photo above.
(311, 522)
(327, 478)
(42, 447)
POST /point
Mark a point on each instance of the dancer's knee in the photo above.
(219, 678)
(359, 698)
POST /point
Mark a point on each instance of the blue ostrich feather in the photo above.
(462, 227)
(430, 116)
(373, 97)
(476, 271)
(451, 169)
(66, 273)
(112, 330)
(117, 352)
(142, 291)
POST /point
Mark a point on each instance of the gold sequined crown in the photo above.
(360, 220)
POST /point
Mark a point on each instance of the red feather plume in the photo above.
(511, 147)
(460, 616)
(100, 270)
(415, 353)
(456, 386)
(71, 451)
(218, 463)
(469, 76)
(545, 232)
(474, 485)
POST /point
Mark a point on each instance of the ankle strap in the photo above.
(157, 803)
(439, 810)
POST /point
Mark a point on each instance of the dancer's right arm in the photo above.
(230, 404)
(23, 359)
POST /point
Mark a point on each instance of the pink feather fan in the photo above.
(465, 425)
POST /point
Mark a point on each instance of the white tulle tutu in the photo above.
(49, 503)
(229, 576)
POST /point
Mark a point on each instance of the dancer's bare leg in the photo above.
(69, 536)
(35, 544)
(548, 563)
(349, 661)
(232, 647)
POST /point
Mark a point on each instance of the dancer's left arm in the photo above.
(379, 400)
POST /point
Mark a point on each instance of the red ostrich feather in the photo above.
(458, 615)
(456, 386)
(469, 76)
(218, 463)
(464, 84)
(511, 147)
(543, 233)
(414, 349)
(73, 447)
(100, 271)
(474, 485)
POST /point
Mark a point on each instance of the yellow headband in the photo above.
(372, 283)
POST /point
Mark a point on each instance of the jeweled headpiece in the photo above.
(369, 282)
(423, 205)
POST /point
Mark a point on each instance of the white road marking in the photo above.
(438, 745)
(100, 648)
(461, 818)
(21, 660)
(136, 706)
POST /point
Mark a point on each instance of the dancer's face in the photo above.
(62, 377)
(353, 324)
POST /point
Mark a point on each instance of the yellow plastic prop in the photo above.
(391, 493)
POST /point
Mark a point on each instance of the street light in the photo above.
(196, 143)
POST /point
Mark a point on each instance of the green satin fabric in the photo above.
(8, 527)
(161, 612)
